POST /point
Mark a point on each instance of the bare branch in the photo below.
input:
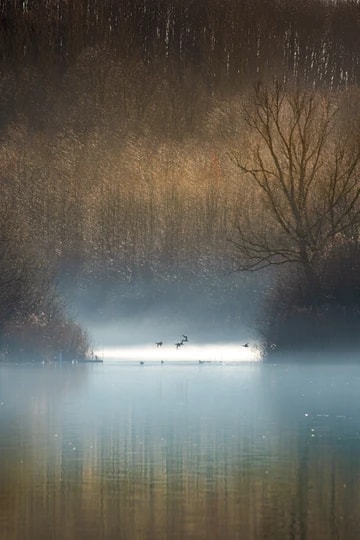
(307, 183)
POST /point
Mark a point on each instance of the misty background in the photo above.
(116, 123)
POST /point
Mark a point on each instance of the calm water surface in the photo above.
(116, 451)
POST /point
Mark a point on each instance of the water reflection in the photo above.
(200, 452)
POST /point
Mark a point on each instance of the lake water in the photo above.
(179, 451)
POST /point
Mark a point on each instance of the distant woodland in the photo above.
(159, 139)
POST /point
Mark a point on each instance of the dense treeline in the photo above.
(317, 41)
(300, 211)
(118, 121)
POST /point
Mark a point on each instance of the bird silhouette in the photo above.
(142, 363)
(177, 345)
(185, 338)
(246, 345)
(158, 343)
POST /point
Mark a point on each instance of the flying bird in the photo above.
(185, 338)
(158, 343)
(179, 344)
(246, 345)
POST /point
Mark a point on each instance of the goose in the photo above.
(158, 343)
(177, 345)
(185, 338)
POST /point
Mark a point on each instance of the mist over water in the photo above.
(129, 339)
(137, 339)
(149, 152)
(219, 352)
(217, 320)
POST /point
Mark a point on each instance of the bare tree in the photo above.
(301, 179)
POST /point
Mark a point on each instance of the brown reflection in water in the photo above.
(126, 472)
(129, 486)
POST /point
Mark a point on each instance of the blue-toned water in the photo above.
(179, 451)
